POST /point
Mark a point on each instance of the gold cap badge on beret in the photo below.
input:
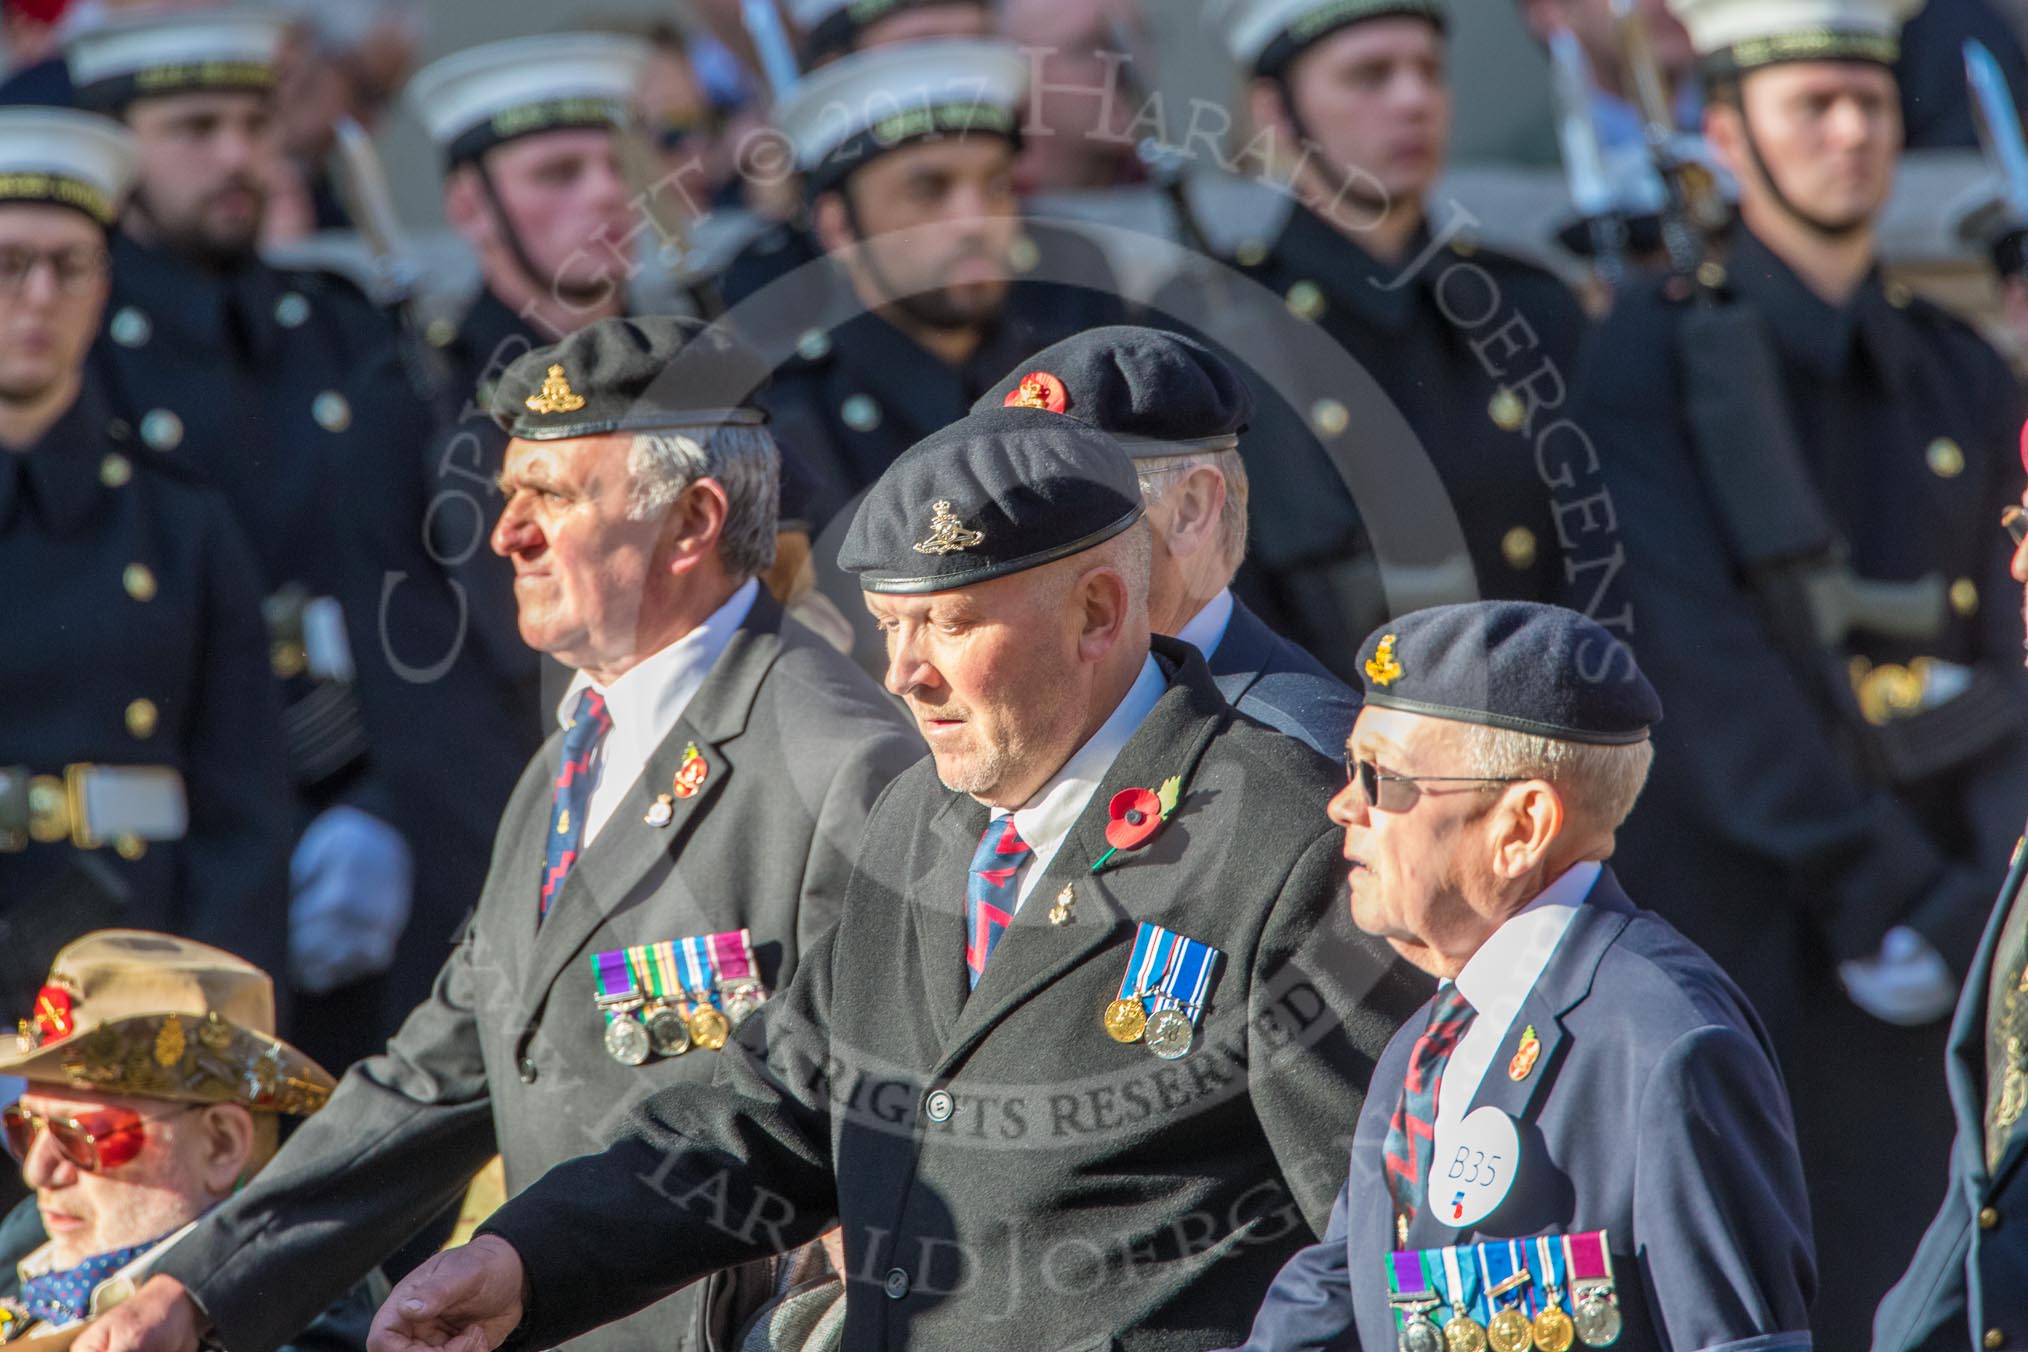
(131, 1012)
(1381, 668)
(1039, 389)
(556, 395)
(948, 535)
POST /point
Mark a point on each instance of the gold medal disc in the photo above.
(1510, 1331)
(1553, 1330)
(1125, 1020)
(708, 1028)
(1465, 1334)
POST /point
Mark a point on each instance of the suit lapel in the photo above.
(1034, 951)
(628, 847)
(1965, 1068)
(1242, 655)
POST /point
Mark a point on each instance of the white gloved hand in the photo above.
(1907, 983)
(349, 884)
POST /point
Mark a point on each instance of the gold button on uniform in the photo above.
(1305, 300)
(1989, 1219)
(1517, 546)
(1899, 297)
(1965, 596)
(1330, 417)
(115, 470)
(1251, 253)
(130, 847)
(1023, 256)
(1711, 275)
(1464, 246)
(142, 717)
(139, 580)
(1507, 411)
(813, 345)
(1945, 457)
(440, 333)
(1994, 1338)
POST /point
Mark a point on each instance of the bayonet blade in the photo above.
(1584, 165)
(1999, 124)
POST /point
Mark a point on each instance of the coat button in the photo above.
(1945, 457)
(1965, 596)
(142, 717)
(1305, 301)
(1330, 417)
(860, 413)
(292, 311)
(129, 327)
(939, 1106)
(896, 1286)
(527, 1069)
(1994, 1338)
(116, 471)
(332, 411)
(139, 580)
(1518, 548)
(162, 429)
(1989, 1218)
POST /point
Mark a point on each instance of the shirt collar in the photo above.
(649, 697)
(1207, 627)
(1506, 967)
(1046, 819)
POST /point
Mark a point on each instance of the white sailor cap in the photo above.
(150, 53)
(1732, 36)
(473, 100)
(62, 157)
(875, 101)
(832, 27)
(1265, 35)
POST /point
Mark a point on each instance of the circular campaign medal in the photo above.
(1465, 1334)
(626, 1040)
(1170, 1033)
(1417, 1333)
(708, 1028)
(1509, 1331)
(1598, 1319)
(740, 1004)
(667, 1031)
(1553, 1330)
(1462, 1333)
(1125, 1019)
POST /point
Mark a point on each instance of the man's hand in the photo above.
(158, 1317)
(466, 1299)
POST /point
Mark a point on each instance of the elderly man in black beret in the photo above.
(1070, 1069)
(1178, 410)
(1584, 1137)
(662, 870)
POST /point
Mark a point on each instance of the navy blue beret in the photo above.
(631, 375)
(1158, 393)
(1518, 665)
(991, 494)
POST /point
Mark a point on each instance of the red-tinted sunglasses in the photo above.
(104, 1139)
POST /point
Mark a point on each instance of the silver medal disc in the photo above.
(739, 1004)
(1598, 1321)
(1169, 1034)
(626, 1040)
(668, 1033)
(1419, 1335)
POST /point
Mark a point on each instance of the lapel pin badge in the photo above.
(691, 774)
(1060, 913)
(662, 813)
(1525, 1055)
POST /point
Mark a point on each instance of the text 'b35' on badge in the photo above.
(1473, 1167)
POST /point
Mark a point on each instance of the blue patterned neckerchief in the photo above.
(65, 1297)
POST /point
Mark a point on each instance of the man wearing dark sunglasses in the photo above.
(1584, 1073)
(155, 1089)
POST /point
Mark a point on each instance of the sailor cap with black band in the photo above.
(994, 493)
(880, 100)
(832, 27)
(149, 55)
(483, 96)
(1157, 393)
(1265, 35)
(1732, 37)
(1521, 666)
(654, 373)
(61, 157)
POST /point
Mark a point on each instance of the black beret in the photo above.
(1518, 665)
(1157, 393)
(632, 375)
(994, 493)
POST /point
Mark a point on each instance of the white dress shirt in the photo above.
(1207, 627)
(646, 702)
(1499, 977)
(1045, 820)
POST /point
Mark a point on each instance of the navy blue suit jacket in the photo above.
(1654, 1112)
(1272, 681)
(1970, 1273)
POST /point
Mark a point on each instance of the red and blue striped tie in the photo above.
(991, 893)
(588, 726)
(1411, 1134)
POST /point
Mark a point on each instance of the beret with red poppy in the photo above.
(1158, 393)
